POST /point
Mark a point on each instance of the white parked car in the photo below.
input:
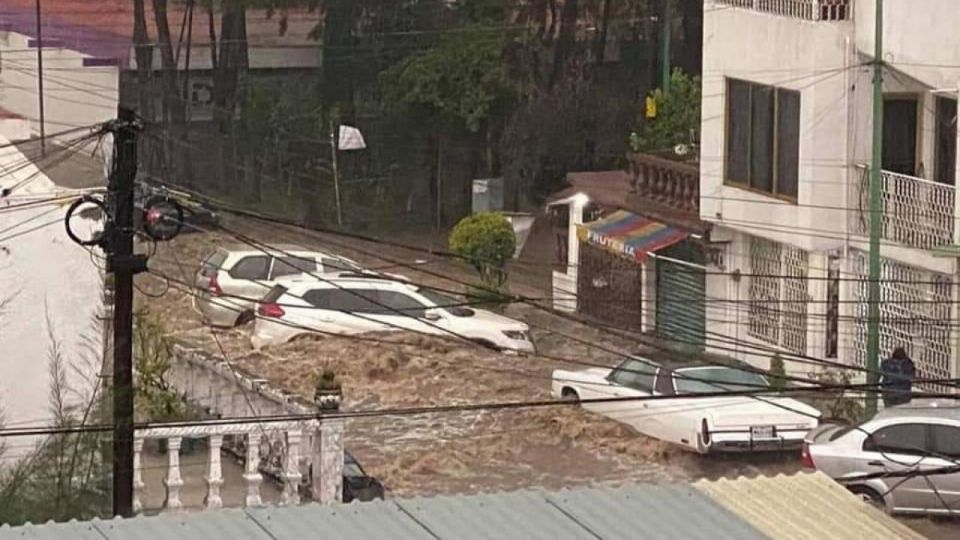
(903, 441)
(360, 305)
(231, 280)
(701, 424)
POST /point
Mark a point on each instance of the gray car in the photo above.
(887, 459)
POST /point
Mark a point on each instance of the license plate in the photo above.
(762, 432)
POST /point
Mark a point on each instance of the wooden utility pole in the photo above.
(43, 127)
(123, 264)
(876, 220)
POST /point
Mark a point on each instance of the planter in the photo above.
(328, 399)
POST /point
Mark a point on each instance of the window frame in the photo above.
(622, 368)
(932, 439)
(746, 184)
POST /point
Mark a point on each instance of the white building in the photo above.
(786, 134)
(51, 288)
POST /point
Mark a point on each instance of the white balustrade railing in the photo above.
(917, 213)
(810, 10)
(282, 437)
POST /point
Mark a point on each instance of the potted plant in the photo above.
(327, 390)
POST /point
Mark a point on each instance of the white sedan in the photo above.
(679, 415)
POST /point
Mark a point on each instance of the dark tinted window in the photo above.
(946, 441)
(788, 146)
(213, 263)
(274, 294)
(665, 382)
(634, 374)
(738, 131)
(353, 300)
(406, 305)
(253, 267)
(910, 439)
(293, 266)
(761, 138)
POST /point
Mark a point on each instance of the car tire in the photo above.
(569, 394)
(245, 318)
(869, 496)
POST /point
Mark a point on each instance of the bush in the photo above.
(677, 120)
(841, 406)
(487, 241)
(778, 373)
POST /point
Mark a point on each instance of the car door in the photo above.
(904, 450)
(247, 278)
(632, 379)
(944, 488)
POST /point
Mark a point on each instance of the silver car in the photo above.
(884, 460)
(230, 280)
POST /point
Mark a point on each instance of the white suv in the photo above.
(355, 306)
(231, 280)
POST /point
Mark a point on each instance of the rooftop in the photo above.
(747, 509)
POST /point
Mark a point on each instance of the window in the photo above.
(779, 295)
(946, 148)
(331, 265)
(213, 263)
(665, 382)
(253, 267)
(907, 439)
(352, 301)
(717, 379)
(946, 441)
(293, 266)
(763, 138)
(406, 305)
(635, 374)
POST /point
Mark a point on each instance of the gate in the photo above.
(609, 287)
(681, 297)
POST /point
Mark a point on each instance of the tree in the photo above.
(778, 373)
(677, 119)
(487, 241)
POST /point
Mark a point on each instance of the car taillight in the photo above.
(270, 310)
(214, 286)
(806, 456)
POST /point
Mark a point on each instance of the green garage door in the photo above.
(681, 299)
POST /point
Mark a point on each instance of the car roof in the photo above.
(238, 251)
(345, 281)
(923, 408)
(675, 364)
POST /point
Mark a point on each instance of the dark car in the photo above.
(357, 485)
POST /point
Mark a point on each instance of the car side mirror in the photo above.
(432, 315)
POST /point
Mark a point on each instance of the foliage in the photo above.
(326, 380)
(461, 79)
(487, 241)
(678, 116)
(777, 373)
(156, 399)
(841, 407)
(66, 476)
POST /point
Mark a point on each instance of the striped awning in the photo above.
(630, 235)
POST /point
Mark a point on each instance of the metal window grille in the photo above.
(778, 294)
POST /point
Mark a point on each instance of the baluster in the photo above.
(214, 477)
(137, 475)
(252, 470)
(173, 480)
(291, 469)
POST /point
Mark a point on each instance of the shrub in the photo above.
(778, 373)
(487, 241)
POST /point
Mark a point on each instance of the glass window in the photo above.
(353, 300)
(397, 301)
(763, 137)
(253, 267)
(908, 439)
(333, 265)
(635, 374)
(293, 266)
(717, 379)
(213, 263)
(946, 441)
(440, 299)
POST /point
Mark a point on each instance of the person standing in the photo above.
(898, 373)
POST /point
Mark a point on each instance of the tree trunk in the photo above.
(600, 45)
(232, 61)
(566, 40)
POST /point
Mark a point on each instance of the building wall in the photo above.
(74, 95)
(52, 290)
(814, 58)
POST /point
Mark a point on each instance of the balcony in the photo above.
(808, 10)
(672, 184)
(917, 213)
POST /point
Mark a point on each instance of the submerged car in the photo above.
(355, 305)
(357, 484)
(231, 280)
(679, 413)
(884, 460)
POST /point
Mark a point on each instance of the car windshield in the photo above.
(449, 303)
(705, 380)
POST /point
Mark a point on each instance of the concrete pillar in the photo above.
(137, 475)
(214, 476)
(327, 459)
(252, 470)
(173, 481)
(291, 469)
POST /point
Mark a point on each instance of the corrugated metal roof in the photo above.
(795, 507)
(804, 506)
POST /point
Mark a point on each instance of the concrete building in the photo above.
(50, 288)
(786, 137)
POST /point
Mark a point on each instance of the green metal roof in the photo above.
(741, 509)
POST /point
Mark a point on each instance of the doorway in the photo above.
(900, 134)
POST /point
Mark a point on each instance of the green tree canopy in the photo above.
(486, 240)
(678, 116)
